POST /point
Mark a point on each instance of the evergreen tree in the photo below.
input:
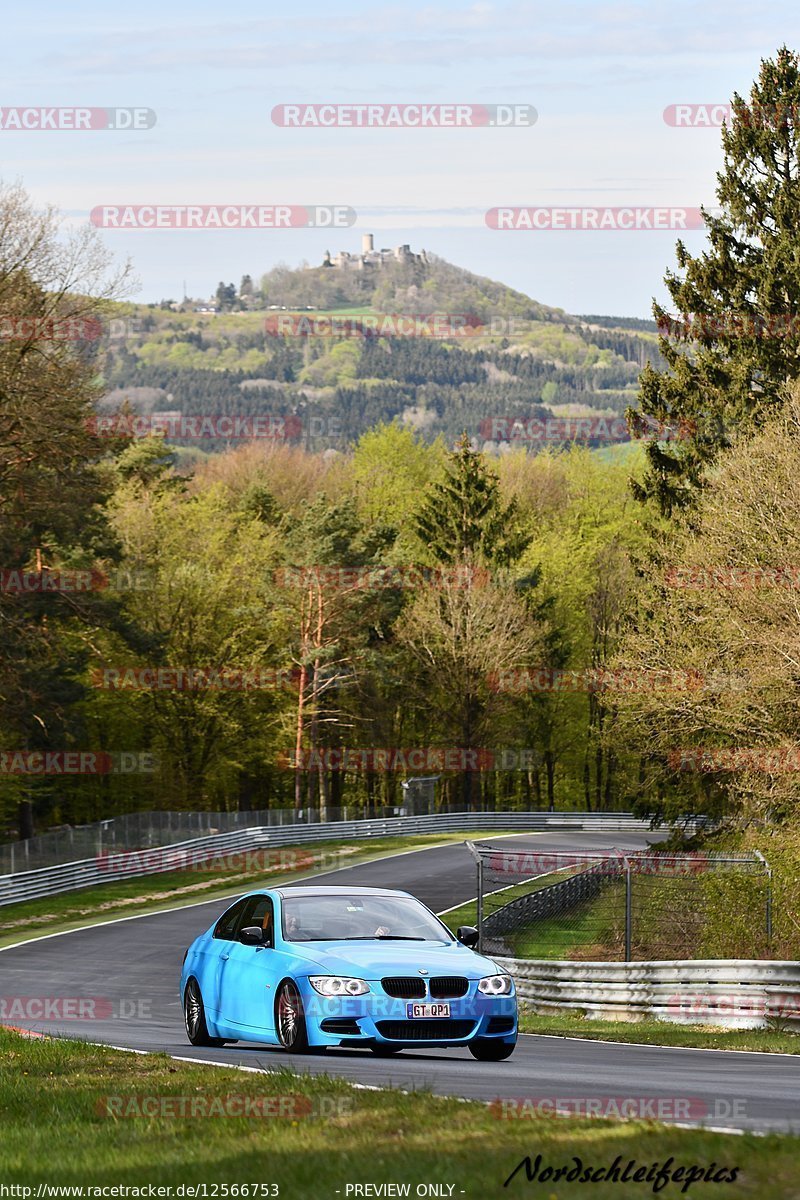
(225, 296)
(731, 345)
(459, 632)
(463, 517)
(150, 462)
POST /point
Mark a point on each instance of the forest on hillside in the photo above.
(587, 630)
(340, 387)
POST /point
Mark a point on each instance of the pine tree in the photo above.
(733, 342)
(463, 517)
(462, 630)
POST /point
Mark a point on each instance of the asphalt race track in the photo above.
(134, 965)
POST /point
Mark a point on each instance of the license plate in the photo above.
(427, 1010)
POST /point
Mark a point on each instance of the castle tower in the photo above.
(367, 243)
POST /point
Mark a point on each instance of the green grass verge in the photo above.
(600, 921)
(467, 914)
(54, 1106)
(146, 893)
(660, 1033)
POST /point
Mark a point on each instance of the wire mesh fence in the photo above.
(153, 828)
(148, 830)
(622, 905)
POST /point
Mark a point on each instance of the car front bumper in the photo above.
(378, 1018)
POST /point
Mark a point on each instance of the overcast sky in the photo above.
(599, 75)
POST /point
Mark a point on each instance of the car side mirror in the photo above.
(467, 934)
(251, 935)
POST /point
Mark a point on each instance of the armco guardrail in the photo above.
(733, 993)
(64, 877)
(165, 828)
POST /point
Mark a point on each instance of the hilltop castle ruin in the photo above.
(370, 257)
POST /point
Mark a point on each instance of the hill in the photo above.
(341, 347)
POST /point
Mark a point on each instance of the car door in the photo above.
(222, 940)
(248, 972)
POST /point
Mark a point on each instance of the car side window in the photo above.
(228, 923)
(258, 911)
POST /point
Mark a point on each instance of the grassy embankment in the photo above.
(317, 1134)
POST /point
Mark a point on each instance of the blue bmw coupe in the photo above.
(309, 967)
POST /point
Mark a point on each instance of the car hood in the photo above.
(372, 960)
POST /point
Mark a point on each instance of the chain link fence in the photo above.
(149, 830)
(622, 905)
(152, 829)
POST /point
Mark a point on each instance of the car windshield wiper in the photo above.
(384, 937)
(398, 937)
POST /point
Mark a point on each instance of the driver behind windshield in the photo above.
(351, 918)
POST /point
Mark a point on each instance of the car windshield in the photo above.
(360, 918)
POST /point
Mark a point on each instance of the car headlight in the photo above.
(496, 985)
(337, 985)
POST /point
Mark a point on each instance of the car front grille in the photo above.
(404, 987)
(424, 1031)
(449, 987)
